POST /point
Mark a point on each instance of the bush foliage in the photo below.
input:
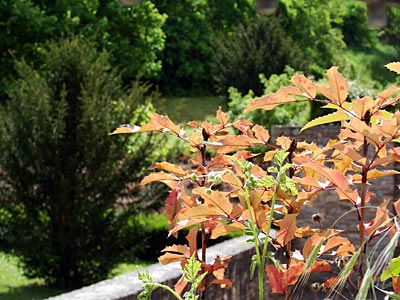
(64, 183)
(259, 47)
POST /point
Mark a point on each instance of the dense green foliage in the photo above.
(354, 25)
(190, 27)
(132, 35)
(392, 31)
(314, 25)
(260, 47)
(63, 181)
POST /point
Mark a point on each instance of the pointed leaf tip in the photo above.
(394, 66)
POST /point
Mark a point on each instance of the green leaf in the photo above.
(192, 268)
(393, 269)
(148, 285)
(396, 140)
(272, 170)
(253, 265)
(267, 181)
(271, 257)
(330, 118)
(280, 157)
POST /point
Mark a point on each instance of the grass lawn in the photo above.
(184, 109)
(15, 286)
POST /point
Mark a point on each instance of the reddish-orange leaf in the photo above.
(269, 101)
(331, 282)
(310, 244)
(287, 229)
(159, 176)
(261, 133)
(195, 140)
(168, 258)
(284, 142)
(220, 161)
(346, 250)
(334, 242)
(293, 273)
(223, 283)
(243, 125)
(168, 167)
(222, 117)
(192, 240)
(275, 279)
(396, 284)
(179, 253)
(185, 224)
(337, 91)
(371, 133)
(231, 143)
(223, 229)
(336, 178)
(202, 212)
(180, 286)
(182, 249)
(321, 266)
(193, 124)
(306, 85)
(380, 220)
(242, 154)
(172, 206)
(384, 99)
(362, 105)
(291, 90)
(302, 231)
(216, 200)
(166, 124)
(348, 150)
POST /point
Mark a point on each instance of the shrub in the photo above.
(355, 27)
(312, 24)
(392, 31)
(66, 188)
(259, 47)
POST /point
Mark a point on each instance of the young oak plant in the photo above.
(229, 192)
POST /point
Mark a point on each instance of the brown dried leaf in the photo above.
(269, 101)
(306, 85)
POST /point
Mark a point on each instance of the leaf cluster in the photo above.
(230, 192)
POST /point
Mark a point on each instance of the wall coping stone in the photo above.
(126, 285)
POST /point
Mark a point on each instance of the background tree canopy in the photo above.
(133, 35)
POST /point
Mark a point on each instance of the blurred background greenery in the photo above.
(71, 211)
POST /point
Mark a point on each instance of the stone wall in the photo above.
(127, 286)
